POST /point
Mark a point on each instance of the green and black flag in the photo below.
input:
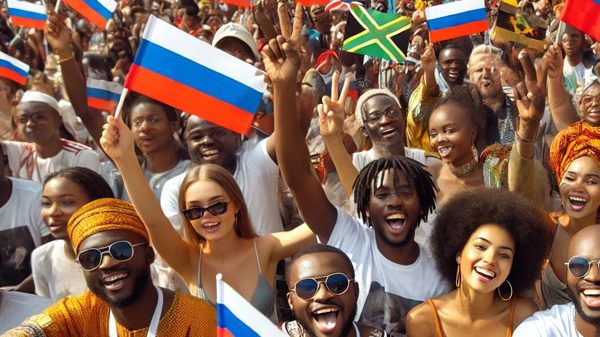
(377, 34)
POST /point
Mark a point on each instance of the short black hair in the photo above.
(318, 248)
(91, 182)
(460, 217)
(134, 100)
(415, 173)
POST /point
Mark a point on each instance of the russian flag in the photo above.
(103, 95)
(27, 14)
(238, 318)
(239, 3)
(13, 69)
(96, 11)
(186, 73)
(583, 15)
(456, 19)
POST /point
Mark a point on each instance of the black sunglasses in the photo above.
(122, 251)
(336, 283)
(580, 266)
(217, 208)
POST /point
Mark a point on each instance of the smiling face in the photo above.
(152, 130)
(209, 143)
(394, 209)
(580, 189)
(384, 121)
(61, 197)
(589, 105)
(487, 258)
(326, 314)
(454, 65)
(452, 133)
(119, 283)
(205, 193)
(484, 71)
(585, 291)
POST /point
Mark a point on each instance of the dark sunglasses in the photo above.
(336, 283)
(122, 251)
(198, 212)
(580, 266)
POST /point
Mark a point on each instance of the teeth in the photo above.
(485, 272)
(591, 292)
(388, 131)
(578, 200)
(210, 152)
(396, 216)
(324, 311)
(208, 225)
(115, 277)
(444, 150)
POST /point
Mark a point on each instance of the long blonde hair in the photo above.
(217, 174)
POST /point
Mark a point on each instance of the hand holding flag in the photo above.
(117, 139)
(58, 36)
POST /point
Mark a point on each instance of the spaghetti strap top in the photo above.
(263, 298)
(439, 332)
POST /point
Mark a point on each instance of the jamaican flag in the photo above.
(376, 34)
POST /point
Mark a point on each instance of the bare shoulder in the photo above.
(523, 310)
(420, 321)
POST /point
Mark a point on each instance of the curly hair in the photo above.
(463, 214)
(418, 178)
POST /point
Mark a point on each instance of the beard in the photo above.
(410, 236)
(140, 283)
(576, 301)
(346, 328)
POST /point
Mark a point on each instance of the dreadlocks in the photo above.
(415, 173)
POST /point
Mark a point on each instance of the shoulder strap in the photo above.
(257, 259)
(511, 318)
(198, 281)
(436, 318)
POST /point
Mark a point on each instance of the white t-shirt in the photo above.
(557, 321)
(256, 174)
(573, 75)
(15, 307)
(387, 290)
(26, 164)
(54, 274)
(363, 158)
(21, 230)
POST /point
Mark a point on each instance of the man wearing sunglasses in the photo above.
(323, 295)
(112, 246)
(582, 317)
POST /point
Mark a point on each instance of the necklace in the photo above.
(577, 333)
(465, 169)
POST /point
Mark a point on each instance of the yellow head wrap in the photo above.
(576, 141)
(104, 215)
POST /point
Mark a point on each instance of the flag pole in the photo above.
(560, 27)
(57, 7)
(121, 102)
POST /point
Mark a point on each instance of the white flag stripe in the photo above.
(111, 5)
(15, 62)
(451, 8)
(113, 87)
(27, 6)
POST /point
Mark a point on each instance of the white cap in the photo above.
(40, 97)
(239, 32)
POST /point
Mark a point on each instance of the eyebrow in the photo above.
(490, 242)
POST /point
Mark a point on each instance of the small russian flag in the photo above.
(238, 318)
(97, 12)
(184, 72)
(103, 95)
(27, 14)
(13, 69)
(456, 19)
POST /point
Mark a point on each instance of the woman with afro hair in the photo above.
(491, 245)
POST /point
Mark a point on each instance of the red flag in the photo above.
(583, 15)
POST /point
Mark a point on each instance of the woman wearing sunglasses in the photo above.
(491, 244)
(55, 272)
(218, 236)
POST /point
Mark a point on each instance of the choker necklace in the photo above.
(465, 169)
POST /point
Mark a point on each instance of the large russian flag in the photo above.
(103, 95)
(182, 71)
(583, 15)
(456, 19)
(97, 12)
(238, 318)
(27, 14)
(13, 69)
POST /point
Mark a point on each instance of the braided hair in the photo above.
(369, 179)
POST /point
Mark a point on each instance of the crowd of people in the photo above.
(454, 193)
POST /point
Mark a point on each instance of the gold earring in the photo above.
(511, 292)
(457, 281)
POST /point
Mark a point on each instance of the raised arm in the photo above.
(561, 107)
(59, 38)
(117, 141)
(282, 61)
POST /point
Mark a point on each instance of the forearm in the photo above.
(561, 108)
(342, 161)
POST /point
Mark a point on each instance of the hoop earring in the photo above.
(511, 292)
(457, 280)
(475, 153)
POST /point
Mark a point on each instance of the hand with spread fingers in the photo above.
(281, 56)
(331, 112)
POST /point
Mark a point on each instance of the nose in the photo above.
(107, 261)
(206, 140)
(322, 293)
(490, 257)
(55, 210)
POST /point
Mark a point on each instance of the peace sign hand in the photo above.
(331, 112)
(282, 55)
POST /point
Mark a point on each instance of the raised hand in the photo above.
(428, 60)
(117, 139)
(553, 60)
(331, 112)
(281, 56)
(58, 35)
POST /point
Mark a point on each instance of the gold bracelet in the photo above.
(61, 59)
(524, 140)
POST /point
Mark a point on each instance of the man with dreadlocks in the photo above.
(393, 195)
